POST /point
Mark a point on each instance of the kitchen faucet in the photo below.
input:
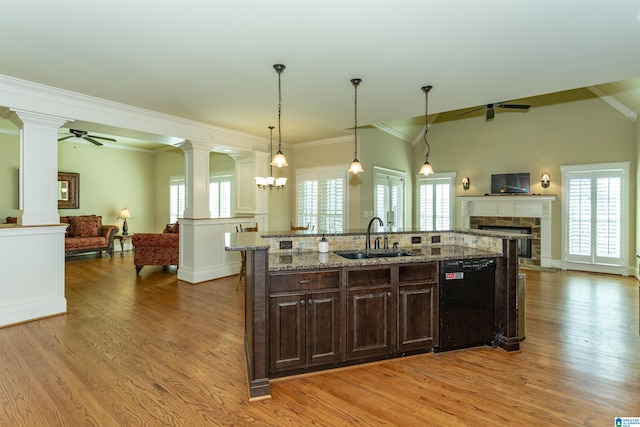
(367, 243)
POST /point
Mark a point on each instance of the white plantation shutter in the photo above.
(321, 200)
(595, 227)
(580, 217)
(176, 199)
(435, 202)
(220, 195)
(608, 219)
(389, 198)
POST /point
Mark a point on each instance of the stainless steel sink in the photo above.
(372, 254)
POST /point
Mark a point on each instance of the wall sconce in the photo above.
(545, 180)
(466, 183)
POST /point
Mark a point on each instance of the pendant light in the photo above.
(355, 167)
(426, 168)
(279, 160)
(271, 183)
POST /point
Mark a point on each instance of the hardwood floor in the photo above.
(151, 350)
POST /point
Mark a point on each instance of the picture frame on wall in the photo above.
(68, 190)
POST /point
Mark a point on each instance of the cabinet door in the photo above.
(417, 316)
(287, 331)
(324, 326)
(371, 322)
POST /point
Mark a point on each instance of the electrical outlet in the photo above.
(286, 244)
(416, 239)
(435, 239)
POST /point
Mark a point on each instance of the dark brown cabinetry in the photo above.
(371, 311)
(417, 306)
(305, 319)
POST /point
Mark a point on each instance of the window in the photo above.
(388, 197)
(220, 196)
(593, 213)
(435, 202)
(321, 199)
(176, 199)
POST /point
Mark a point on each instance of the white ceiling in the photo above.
(211, 61)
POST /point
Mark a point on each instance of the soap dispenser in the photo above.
(323, 245)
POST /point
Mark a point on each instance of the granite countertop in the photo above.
(245, 241)
(316, 260)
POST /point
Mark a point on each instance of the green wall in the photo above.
(567, 128)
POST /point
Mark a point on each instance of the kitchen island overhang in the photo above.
(264, 258)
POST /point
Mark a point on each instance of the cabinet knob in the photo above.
(304, 281)
(302, 302)
(389, 294)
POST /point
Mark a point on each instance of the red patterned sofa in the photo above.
(85, 233)
(157, 248)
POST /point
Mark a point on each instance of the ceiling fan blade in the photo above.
(469, 112)
(66, 137)
(490, 113)
(93, 141)
(102, 137)
(517, 106)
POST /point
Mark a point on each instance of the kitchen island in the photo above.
(307, 311)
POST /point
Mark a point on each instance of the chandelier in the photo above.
(271, 183)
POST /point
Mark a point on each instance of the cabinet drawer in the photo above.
(418, 272)
(369, 277)
(303, 281)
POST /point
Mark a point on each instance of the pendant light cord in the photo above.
(426, 90)
(279, 109)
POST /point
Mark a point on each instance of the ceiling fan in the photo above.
(84, 135)
(491, 109)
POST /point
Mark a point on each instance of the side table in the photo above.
(123, 239)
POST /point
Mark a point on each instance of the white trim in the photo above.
(628, 113)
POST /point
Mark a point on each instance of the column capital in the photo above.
(190, 145)
(21, 117)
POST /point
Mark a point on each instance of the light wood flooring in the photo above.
(151, 350)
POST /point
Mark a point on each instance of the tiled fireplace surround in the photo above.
(533, 223)
(524, 210)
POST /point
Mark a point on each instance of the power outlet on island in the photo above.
(435, 239)
(416, 239)
(286, 244)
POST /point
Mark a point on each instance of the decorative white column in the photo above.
(38, 167)
(32, 258)
(196, 179)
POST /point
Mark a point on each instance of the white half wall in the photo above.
(31, 272)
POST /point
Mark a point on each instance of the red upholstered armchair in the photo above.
(156, 248)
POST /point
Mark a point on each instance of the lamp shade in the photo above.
(124, 213)
(355, 167)
(425, 169)
(279, 160)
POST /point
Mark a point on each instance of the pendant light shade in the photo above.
(426, 168)
(355, 167)
(279, 160)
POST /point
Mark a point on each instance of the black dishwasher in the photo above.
(467, 303)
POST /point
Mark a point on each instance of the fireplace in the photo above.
(515, 211)
(524, 245)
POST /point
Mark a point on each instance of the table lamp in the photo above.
(124, 214)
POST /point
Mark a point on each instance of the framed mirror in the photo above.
(68, 190)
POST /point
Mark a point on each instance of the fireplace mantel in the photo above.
(514, 206)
